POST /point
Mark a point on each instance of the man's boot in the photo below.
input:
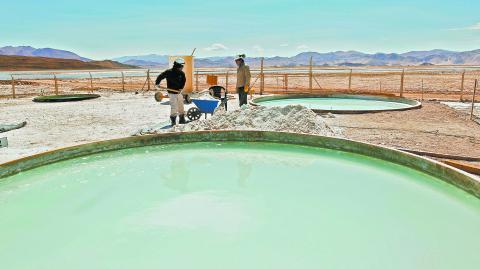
(182, 119)
(174, 120)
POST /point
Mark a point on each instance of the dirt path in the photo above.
(434, 128)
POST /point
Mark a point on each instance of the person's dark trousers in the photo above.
(242, 96)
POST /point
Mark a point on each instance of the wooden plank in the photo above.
(469, 168)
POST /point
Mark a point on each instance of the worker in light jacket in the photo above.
(175, 83)
(243, 79)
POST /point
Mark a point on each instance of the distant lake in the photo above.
(84, 74)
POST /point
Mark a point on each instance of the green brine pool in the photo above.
(234, 205)
(340, 103)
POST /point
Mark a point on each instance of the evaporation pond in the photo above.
(235, 206)
(334, 103)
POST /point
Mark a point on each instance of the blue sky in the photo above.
(105, 28)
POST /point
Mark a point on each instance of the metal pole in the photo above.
(473, 99)
(262, 77)
(462, 86)
(13, 87)
(310, 75)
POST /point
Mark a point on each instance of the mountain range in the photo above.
(338, 58)
(45, 52)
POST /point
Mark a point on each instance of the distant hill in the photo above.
(150, 60)
(45, 52)
(26, 63)
(338, 58)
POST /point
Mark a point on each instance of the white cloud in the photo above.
(475, 27)
(216, 47)
(302, 47)
(258, 48)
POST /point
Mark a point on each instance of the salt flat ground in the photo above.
(55, 125)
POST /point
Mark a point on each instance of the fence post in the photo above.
(462, 86)
(196, 81)
(226, 81)
(285, 82)
(473, 99)
(14, 95)
(310, 75)
(422, 89)
(262, 77)
(148, 80)
(123, 82)
(350, 80)
(56, 84)
(91, 81)
(402, 81)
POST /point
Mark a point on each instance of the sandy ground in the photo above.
(435, 128)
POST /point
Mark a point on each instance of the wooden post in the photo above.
(350, 80)
(56, 84)
(148, 80)
(262, 77)
(380, 86)
(196, 81)
(310, 75)
(285, 82)
(14, 95)
(462, 86)
(123, 81)
(402, 81)
(422, 89)
(226, 81)
(473, 99)
(91, 81)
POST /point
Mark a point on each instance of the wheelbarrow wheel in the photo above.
(194, 114)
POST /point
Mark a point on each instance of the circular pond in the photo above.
(65, 98)
(340, 103)
(234, 205)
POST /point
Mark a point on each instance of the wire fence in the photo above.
(422, 84)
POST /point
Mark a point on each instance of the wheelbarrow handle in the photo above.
(167, 89)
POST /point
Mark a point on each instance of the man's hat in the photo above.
(179, 61)
(240, 57)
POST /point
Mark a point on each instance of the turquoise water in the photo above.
(328, 103)
(234, 205)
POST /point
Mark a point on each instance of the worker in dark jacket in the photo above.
(175, 82)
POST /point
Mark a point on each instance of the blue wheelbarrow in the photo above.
(202, 107)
